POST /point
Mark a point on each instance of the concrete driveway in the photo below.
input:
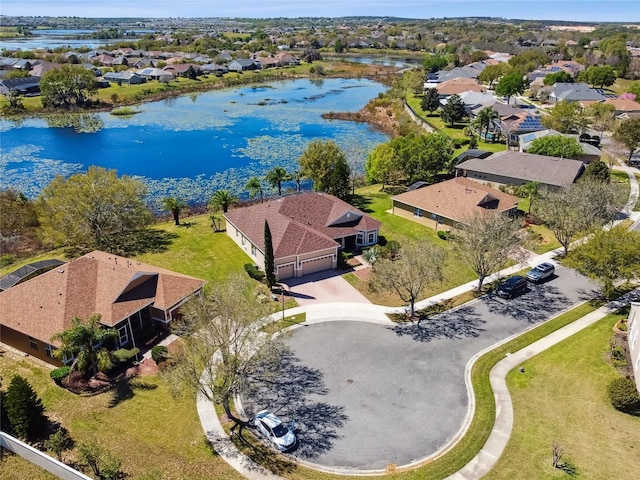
(324, 287)
(365, 395)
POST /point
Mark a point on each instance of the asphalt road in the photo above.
(366, 395)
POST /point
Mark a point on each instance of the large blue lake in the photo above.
(193, 145)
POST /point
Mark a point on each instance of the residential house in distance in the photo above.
(28, 86)
(458, 86)
(134, 298)
(575, 92)
(243, 64)
(591, 152)
(124, 78)
(623, 105)
(449, 203)
(633, 326)
(518, 168)
(308, 230)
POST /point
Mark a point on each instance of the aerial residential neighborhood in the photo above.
(272, 242)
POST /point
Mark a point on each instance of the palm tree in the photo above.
(483, 120)
(276, 176)
(530, 190)
(83, 341)
(223, 199)
(255, 187)
(175, 206)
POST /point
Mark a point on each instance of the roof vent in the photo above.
(60, 270)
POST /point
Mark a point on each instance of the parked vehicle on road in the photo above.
(541, 272)
(279, 434)
(512, 287)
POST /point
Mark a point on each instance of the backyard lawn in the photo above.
(562, 396)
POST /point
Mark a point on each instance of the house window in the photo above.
(237, 232)
(417, 213)
(48, 350)
(33, 343)
(253, 250)
(371, 238)
(244, 240)
(123, 334)
(359, 238)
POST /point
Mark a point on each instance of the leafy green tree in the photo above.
(599, 76)
(512, 84)
(18, 213)
(103, 465)
(487, 241)
(325, 164)
(24, 409)
(276, 176)
(602, 115)
(67, 87)
(529, 60)
(566, 117)
(15, 102)
(608, 256)
(85, 341)
(635, 89)
(628, 133)
(338, 46)
(59, 442)
(597, 170)
(491, 73)
(422, 157)
(434, 62)
(430, 101)
(226, 321)
(557, 146)
(453, 111)
(414, 80)
(269, 260)
(86, 208)
(175, 206)
(558, 77)
(381, 165)
(254, 186)
(222, 200)
(418, 266)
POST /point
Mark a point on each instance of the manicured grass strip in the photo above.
(562, 396)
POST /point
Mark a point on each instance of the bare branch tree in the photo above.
(222, 344)
(557, 452)
(486, 241)
(417, 266)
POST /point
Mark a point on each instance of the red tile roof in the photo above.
(301, 223)
(97, 282)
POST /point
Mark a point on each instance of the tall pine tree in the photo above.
(269, 261)
(24, 409)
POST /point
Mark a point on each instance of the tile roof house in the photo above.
(623, 105)
(518, 168)
(451, 202)
(132, 297)
(307, 230)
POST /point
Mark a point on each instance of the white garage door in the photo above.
(317, 265)
(285, 271)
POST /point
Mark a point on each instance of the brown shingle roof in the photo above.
(457, 199)
(459, 85)
(301, 223)
(98, 282)
(528, 167)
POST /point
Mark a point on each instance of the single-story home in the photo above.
(308, 229)
(591, 152)
(242, 64)
(457, 86)
(633, 326)
(20, 85)
(134, 298)
(518, 168)
(575, 92)
(450, 202)
(181, 69)
(125, 77)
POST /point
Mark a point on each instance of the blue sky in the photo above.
(574, 10)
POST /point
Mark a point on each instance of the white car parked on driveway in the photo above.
(275, 431)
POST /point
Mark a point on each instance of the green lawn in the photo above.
(198, 251)
(157, 436)
(562, 396)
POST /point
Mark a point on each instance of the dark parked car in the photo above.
(512, 286)
(540, 272)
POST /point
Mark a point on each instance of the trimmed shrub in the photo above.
(253, 271)
(57, 374)
(159, 353)
(442, 235)
(624, 395)
(123, 355)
